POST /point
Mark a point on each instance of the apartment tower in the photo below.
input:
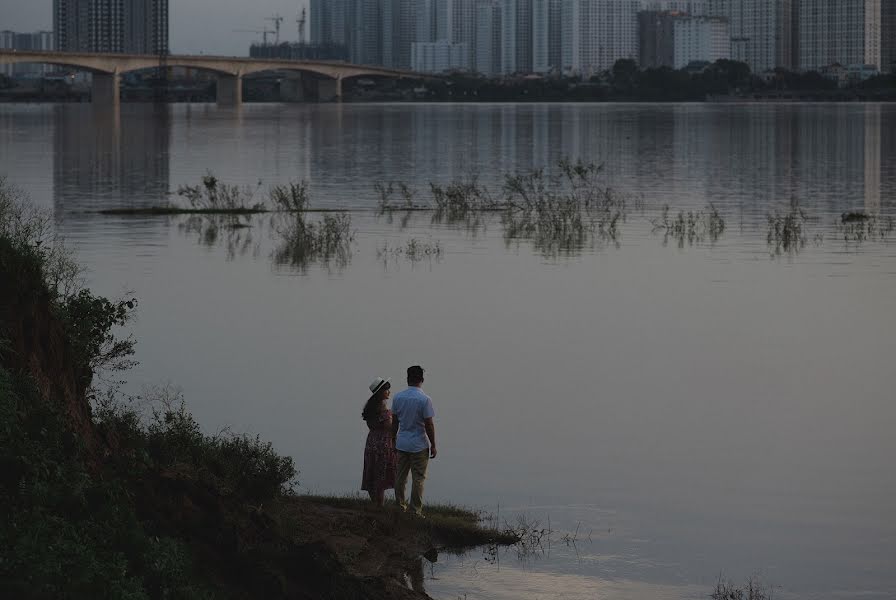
(847, 32)
(122, 26)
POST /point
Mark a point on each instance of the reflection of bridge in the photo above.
(107, 69)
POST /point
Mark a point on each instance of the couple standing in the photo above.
(400, 441)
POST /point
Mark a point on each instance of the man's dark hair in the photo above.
(415, 375)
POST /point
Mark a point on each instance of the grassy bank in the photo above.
(104, 500)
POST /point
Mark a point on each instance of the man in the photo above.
(415, 439)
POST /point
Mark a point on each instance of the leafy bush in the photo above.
(79, 525)
(35, 258)
(238, 465)
(65, 532)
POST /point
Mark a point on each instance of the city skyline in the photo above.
(526, 35)
(219, 17)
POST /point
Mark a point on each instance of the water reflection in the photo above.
(103, 159)
(232, 232)
(301, 241)
(414, 251)
(751, 158)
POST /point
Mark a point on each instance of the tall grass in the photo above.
(301, 241)
(787, 229)
(691, 227)
(559, 214)
(213, 195)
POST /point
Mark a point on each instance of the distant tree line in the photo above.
(626, 81)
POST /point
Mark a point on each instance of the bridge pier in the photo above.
(292, 89)
(330, 90)
(105, 91)
(230, 90)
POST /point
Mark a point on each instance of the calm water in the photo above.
(695, 408)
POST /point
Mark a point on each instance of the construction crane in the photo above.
(277, 19)
(301, 23)
(264, 33)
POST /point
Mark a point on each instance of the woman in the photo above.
(379, 453)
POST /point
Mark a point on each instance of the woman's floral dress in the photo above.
(379, 455)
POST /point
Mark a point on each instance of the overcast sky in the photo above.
(195, 25)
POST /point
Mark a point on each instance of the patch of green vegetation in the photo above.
(83, 526)
(65, 531)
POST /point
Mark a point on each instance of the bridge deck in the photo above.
(107, 67)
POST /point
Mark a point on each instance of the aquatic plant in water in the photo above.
(292, 197)
(691, 227)
(301, 242)
(560, 214)
(786, 231)
(858, 227)
(213, 195)
(395, 195)
(753, 589)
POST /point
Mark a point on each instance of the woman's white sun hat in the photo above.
(377, 384)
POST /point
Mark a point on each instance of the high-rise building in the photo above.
(656, 36)
(319, 16)
(399, 29)
(761, 31)
(597, 33)
(696, 8)
(547, 49)
(426, 28)
(676, 39)
(461, 26)
(39, 40)
(124, 26)
(328, 22)
(437, 57)
(487, 42)
(847, 32)
(888, 36)
(700, 39)
(365, 32)
(516, 36)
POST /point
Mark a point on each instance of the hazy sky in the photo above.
(195, 25)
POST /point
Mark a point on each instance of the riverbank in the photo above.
(109, 496)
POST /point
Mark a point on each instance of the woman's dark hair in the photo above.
(372, 408)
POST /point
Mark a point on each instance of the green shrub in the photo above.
(240, 465)
(78, 525)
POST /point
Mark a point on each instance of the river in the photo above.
(672, 408)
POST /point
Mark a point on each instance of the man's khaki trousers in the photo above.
(414, 463)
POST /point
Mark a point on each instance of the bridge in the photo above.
(107, 69)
